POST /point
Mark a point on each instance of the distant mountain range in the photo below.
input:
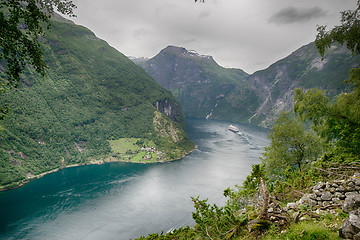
(207, 90)
(197, 81)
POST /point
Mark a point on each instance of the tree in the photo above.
(348, 32)
(21, 29)
(291, 145)
(339, 120)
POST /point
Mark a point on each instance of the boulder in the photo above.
(319, 186)
(347, 230)
(317, 192)
(326, 196)
(356, 179)
(340, 189)
(351, 226)
(291, 205)
(307, 199)
(339, 195)
(354, 218)
(351, 203)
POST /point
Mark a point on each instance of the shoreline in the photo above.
(98, 162)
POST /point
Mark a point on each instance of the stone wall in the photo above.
(343, 194)
(332, 193)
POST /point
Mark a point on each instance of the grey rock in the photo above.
(340, 189)
(332, 190)
(351, 203)
(339, 195)
(326, 196)
(351, 193)
(354, 218)
(307, 200)
(356, 179)
(339, 182)
(312, 196)
(336, 200)
(317, 192)
(326, 203)
(351, 226)
(350, 188)
(291, 205)
(347, 230)
(319, 186)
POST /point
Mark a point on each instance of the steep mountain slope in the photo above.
(206, 89)
(272, 88)
(197, 81)
(91, 94)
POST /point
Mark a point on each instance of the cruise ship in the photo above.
(233, 129)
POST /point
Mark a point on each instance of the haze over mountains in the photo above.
(207, 90)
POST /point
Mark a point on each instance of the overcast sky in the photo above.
(246, 34)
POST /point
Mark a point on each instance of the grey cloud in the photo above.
(140, 32)
(204, 15)
(293, 15)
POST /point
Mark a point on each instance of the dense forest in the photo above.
(91, 94)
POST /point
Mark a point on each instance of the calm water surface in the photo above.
(125, 201)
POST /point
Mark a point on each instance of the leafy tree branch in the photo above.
(21, 29)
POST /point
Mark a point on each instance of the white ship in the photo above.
(233, 129)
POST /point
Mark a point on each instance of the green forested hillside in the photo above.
(91, 94)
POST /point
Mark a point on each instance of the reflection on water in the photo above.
(123, 200)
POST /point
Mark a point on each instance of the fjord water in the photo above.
(124, 200)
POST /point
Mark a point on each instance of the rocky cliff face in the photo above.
(206, 90)
(171, 109)
(197, 81)
(304, 68)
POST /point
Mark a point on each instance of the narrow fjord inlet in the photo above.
(132, 130)
(127, 200)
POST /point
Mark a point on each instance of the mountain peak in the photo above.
(183, 52)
